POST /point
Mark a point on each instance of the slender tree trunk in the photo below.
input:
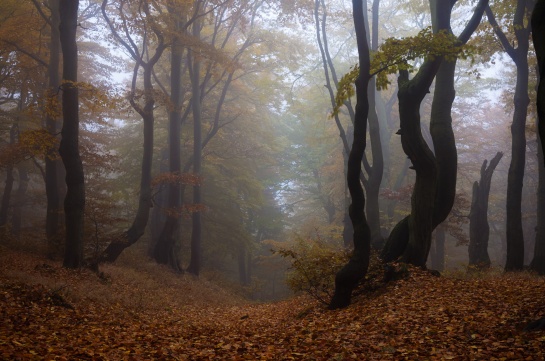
(196, 230)
(164, 253)
(138, 227)
(6, 195)
(519, 55)
(74, 202)
(538, 37)
(438, 254)
(19, 199)
(479, 229)
(538, 262)
(356, 268)
(53, 164)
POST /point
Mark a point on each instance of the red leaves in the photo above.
(421, 317)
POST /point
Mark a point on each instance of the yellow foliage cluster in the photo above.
(396, 54)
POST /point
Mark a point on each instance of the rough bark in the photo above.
(538, 37)
(479, 229)
(538, 262)
(53, 164)
(356, 268)
(74, 202)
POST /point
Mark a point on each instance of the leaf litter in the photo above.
(420, 317)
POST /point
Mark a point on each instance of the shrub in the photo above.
(314, 264)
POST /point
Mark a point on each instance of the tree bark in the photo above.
(538, 37)
(538, 262)
(519, 55)
(6, 195)
(356, 268)
(479, 229)
(74, 202)
(164, 252)
(438, 254)
(53, 165)
(196, 220)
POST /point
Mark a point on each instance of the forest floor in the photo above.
(49, 313)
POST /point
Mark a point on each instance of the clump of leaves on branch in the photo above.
(396, 54)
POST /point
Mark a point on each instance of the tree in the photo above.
(152, 35)
(74, 202)
(538, 262)
(356, 268)
(519, 55)
(53, 166)
(479, 228)
(435, 173)
(538, 37)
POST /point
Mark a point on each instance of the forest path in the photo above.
(55, 314)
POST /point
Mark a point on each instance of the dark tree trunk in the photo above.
(53, 165)
(435, 184)
(538, 37)
(377, 170)
(479, 228)
(356, 268)
(138, 227)
(6, 195)
(438, 254)
(74, 202)
(538, 262)
(519, 55)
(168, 236)
(196, 221)
(160, 201)
(19, 200)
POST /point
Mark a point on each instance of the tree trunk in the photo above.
(356, 268)
(538, 37)
(74, 202)
(519, 55)
(138, 227)
(438, 254)
(167, 238)
(538, 262)
(19, 199)
(196, 230)
(377, 170)
(53, 165)
(133, 234)
(479, 229)
(6, 196)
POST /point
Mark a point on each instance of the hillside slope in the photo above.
(55, 314)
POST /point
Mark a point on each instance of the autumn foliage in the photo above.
(57, 314)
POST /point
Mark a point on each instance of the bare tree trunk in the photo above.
(438, 254)
(74, 202)
(164, 253)
(6, 195)
(356, 268)
(19, 199)
(479, 229)
(53, 165)
(196, 230)
(538, 262)
(538, 37)
(519, 55)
